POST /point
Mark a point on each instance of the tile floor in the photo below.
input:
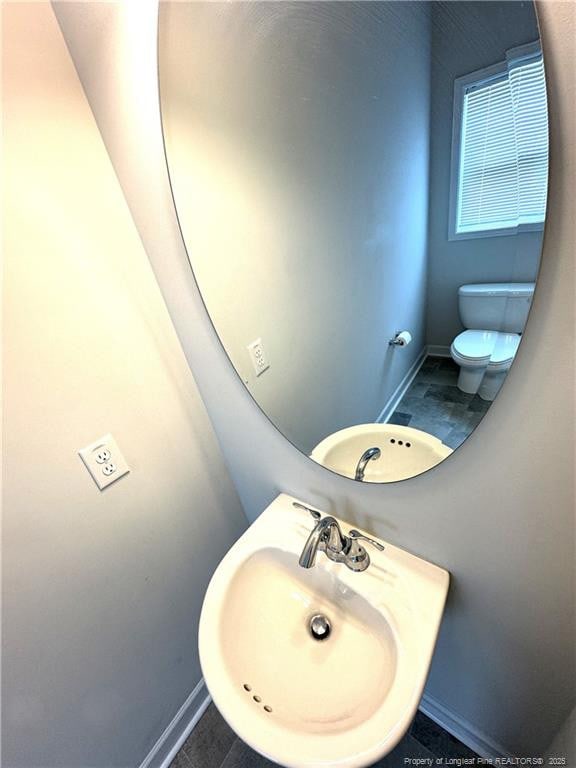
(434, 404)
(212, 744)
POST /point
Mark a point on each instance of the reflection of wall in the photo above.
(467, 36)
(303, 203)
(101, 590)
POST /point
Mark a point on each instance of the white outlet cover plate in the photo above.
(258, 356)
(100, 470)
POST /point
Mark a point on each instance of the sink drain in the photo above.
(320, 627)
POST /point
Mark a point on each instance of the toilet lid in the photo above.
(505, 348)
(475, 345)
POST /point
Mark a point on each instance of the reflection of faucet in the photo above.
(371, 453)
(327, 537)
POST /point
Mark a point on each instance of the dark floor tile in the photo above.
(436, 739)
(435, 409)
(447, 364)
(407, 749)
(466, 419)
(440, 377)
(210, 741)
(440, 428)
(455, 438)
(180, 761)
(478, 405)
(242, 756)
(448, 393)
(426, 407)
(430, 364)
(410, 404)
(401, 419)
(417, 388)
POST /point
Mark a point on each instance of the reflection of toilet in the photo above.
(495, 315)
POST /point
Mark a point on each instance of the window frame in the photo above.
(478, 77)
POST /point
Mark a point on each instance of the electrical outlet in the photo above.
(104, 461)
(258, 356)
(102, 455)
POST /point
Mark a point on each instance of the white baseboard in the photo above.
(178, 730)
(461, 729)
(438, 350)
(400, 390)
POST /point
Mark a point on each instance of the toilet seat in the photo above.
(474, 347)
(493, 349)
(504, 351)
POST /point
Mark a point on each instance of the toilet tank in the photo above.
(495, 306)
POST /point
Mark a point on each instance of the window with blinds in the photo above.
(500, 148)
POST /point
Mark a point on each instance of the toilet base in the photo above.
(470, 379)
(491, 384)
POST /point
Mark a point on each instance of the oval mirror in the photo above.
(361, 187)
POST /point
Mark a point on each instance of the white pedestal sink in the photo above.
(405, 451)
(302, 702)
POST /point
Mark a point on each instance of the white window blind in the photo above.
(503, 149)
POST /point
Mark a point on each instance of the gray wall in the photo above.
(499, 513)
(467, 36)
(564, 744)
(298, 155)
(101, 590)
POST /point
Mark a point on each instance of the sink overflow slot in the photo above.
(257, 699)
(400, 442)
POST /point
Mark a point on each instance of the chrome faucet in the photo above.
(327, 536)
(370, 454)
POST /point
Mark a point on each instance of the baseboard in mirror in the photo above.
(438, 350)
(461, 729)
(178, 730)
(400, 390)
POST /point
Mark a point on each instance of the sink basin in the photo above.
(303, 702)
(405, 451)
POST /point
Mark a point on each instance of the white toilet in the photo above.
(494, 315)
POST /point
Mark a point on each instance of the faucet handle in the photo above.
(315, 514)
(357, 559)
(355, 535)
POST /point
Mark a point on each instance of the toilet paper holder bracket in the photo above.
(401, 339)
